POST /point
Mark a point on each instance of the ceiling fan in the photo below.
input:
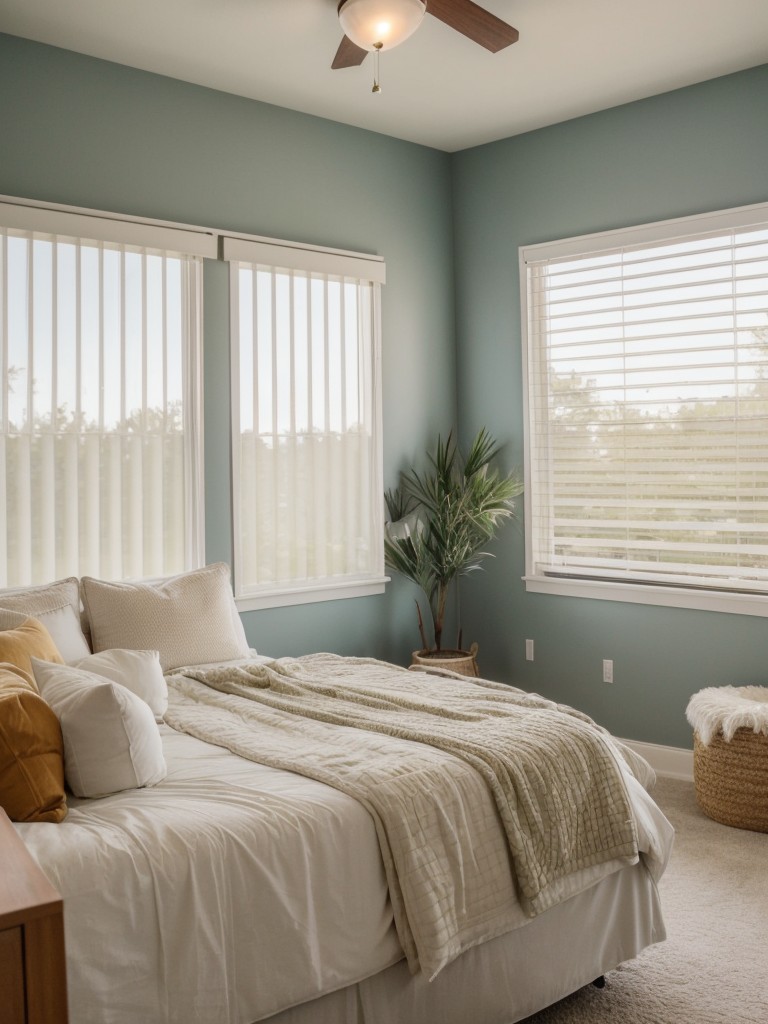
(373, 25)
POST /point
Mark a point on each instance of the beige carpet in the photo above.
(713, 968)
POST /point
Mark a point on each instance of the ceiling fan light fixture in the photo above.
(386, 22)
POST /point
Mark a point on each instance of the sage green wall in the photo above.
(90, 133)
(692, 150)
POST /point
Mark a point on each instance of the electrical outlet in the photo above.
(607, 670)
(529, 650)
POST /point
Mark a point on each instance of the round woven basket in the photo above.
(462, 662)
(731, 778)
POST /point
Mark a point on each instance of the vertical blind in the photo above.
(306, 440)
(647, 368)
(99, 409)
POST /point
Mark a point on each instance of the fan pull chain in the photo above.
(377, 50)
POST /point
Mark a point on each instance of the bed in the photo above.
(258, 881)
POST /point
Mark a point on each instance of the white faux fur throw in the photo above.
(728, 708)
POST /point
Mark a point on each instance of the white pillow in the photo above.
(57, 606)
(189, 619)
(139, 671)
(111, 739)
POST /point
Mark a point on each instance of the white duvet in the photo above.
(224, 894)
(230, 891)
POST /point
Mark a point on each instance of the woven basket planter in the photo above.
(462, 662)
(731, 778)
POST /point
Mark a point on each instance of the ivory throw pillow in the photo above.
(189, 619)
(111, 739)
(31, 752)
(57, 606)
(139, 671)
(22, 638)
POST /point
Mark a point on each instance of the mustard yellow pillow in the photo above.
(31, 751)
(22, 638)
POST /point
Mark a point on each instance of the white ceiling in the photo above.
(438, 88)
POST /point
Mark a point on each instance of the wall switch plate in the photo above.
(607, 670)
(529, 650)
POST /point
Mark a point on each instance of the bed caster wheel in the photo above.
(599, 982)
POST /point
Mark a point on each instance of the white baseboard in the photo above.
(672, 762)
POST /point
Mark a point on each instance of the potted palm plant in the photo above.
(439, 522)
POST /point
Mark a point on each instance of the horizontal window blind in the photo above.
(100, 405)
(306, 434)
(647, 365)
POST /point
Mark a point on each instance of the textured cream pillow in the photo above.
(57, 606)
(111, 739)
(139, 671)
(22, 638)
(189, 619)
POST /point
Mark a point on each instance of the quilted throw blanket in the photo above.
(483, 796)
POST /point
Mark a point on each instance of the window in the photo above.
(306, 437)
(647, 419)
(100, 447)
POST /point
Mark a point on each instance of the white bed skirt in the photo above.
(511, 977)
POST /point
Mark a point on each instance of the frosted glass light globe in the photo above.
(369, 23)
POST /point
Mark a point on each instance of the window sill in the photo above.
(668, 597)
(282, 598)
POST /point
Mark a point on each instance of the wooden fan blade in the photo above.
(348, 55)
(475, 22)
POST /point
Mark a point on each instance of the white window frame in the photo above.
(536, 579)
(78, 224)
(244, 250)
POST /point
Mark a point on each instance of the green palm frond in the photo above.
(454, 508)
(399, 504)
